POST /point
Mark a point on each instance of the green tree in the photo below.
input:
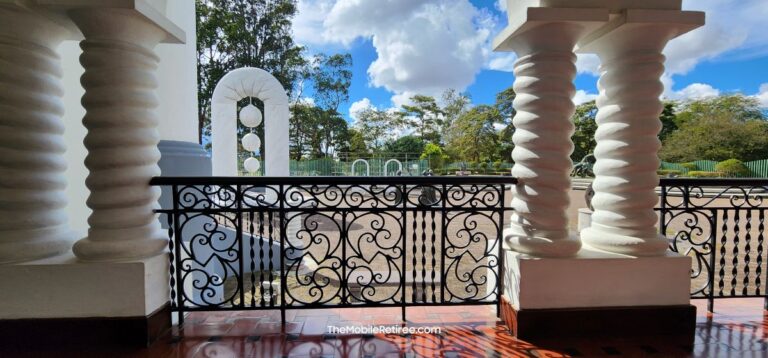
(304, 135)
(738, 107)
(239, 33)
(454, 105)
(474, 136)
(376, 126)
(717, 138)
(584, 136)
(718, 128)
(332, 78)
(434, 153)
(407, 144)
(425, 116)
(504, 104)
(668, 120)
(357, 147)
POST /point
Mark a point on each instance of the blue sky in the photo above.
(403, 47)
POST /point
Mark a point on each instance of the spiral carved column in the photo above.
(628, 122)
(32, 200)
(120, 102)
(544, 74)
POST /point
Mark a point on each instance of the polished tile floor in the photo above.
(738, 329)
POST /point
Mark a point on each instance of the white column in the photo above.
(120, 102)
(544, 74)
(629, 106)
(32, 200)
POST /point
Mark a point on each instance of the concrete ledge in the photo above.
(673, 323)
(596, 279)
(62, 287)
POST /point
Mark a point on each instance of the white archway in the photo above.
(367, 167)
(234, 86)
(386, 166)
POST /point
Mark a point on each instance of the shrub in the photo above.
(733, 168)
(497, 165)
(666, 172)
(482, 166)
(690, 166)
(703, 174)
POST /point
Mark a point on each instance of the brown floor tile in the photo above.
(738, 328)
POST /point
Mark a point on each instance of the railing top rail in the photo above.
(713, 181)
(341, 180)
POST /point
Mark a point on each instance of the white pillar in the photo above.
(120, 102)
(629, 106)
(544, 74)
(32, 200)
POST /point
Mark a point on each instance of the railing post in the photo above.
(404, 199)
(444, 233)
(281, 197)
(177, 244)
(499, 240)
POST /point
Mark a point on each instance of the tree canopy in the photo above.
(718, 128)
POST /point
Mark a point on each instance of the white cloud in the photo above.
(762, 96)
(309, 101)
(502, 62)
(501, 5)
(422, 46)
(358, 107)
(583, 97)
(588, 63)
(308, 23)
(694, 91)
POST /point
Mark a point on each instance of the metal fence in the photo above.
(720, 224)
(757, 168)
(315, 242)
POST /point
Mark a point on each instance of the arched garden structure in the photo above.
(233, 87)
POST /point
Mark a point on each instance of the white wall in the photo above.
(177, 76)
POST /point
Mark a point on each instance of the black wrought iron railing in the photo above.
(317, 242)
(720, 224)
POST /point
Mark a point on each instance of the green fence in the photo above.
(362, 167)
(758, 168)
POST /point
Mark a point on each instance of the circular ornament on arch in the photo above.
(250, 116)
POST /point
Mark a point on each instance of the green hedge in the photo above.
(704, 174)
(666, 172)
(757, 168)
(733, 168)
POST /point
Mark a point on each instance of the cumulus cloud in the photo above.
(588, 63)
(694, 91)
(422, 46)
(308, 24)
(762, 96)
(583, 97)
(358, 107)
(502, 62)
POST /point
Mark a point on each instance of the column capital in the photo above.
(574, 24)
(640, 30)
(150, 11)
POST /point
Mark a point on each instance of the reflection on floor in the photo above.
(738, 329)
